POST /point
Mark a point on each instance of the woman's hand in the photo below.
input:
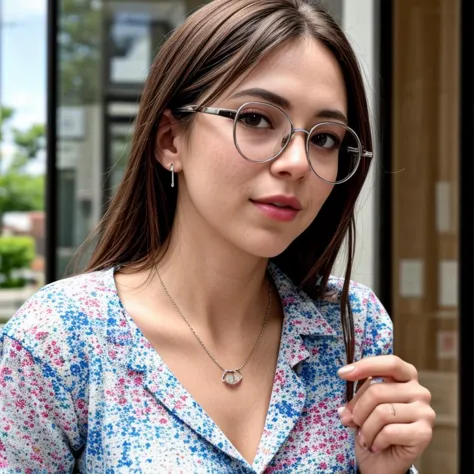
(393, 419)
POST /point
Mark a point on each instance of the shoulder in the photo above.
(55, 323)
(367, 311)
(373, 326)
(63, 301)
(361, 298)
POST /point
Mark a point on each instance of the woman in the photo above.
(207, 335)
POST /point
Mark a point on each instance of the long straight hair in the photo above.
(213, 48)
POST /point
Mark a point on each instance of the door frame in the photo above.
(466, 244)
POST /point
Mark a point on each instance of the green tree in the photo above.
(20, 191)
(6, 113)
(16, 253)
(29, 143)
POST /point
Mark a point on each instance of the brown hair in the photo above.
(213, 48)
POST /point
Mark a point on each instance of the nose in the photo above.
(293, 162)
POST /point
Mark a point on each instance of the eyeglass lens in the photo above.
(262, 130)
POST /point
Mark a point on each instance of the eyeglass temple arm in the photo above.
(365, 153)
(208, 110)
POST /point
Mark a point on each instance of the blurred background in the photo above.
(71, 74)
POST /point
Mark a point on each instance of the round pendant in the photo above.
(232, 377)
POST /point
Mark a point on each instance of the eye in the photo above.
(326, 140)
(254, 119)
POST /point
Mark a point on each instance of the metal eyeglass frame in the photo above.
(233, 114)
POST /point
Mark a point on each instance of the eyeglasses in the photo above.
(262, 132)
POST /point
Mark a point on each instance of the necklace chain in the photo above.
(200, 340)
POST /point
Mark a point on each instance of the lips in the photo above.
(281, 202)
(280, 208)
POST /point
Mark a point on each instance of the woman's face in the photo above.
(239, 202)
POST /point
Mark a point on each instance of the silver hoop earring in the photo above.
(172, 174)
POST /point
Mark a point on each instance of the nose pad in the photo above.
(285, 140)
(294, 162)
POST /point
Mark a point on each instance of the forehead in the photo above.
(304, 71)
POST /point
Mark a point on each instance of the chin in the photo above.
(268, 250)
(266, 244)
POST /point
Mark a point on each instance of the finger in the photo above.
(414, 437)
(379, 366)
(393, 413)
(348, 422)
(361, 389)
(345, 413)
(388, 392)
(346, 418)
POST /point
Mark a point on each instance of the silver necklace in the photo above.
(230, 377)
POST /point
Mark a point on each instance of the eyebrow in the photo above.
(265, 95)
(327, 114)
(332, 115)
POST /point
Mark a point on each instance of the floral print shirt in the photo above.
(79, 383)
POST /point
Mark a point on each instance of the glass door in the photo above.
(425, 208)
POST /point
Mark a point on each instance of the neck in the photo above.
(217, 287)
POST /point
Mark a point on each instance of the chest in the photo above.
(139, 422)
(239, 412)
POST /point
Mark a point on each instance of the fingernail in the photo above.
(346, 369)
(345, 415)
(374, 449)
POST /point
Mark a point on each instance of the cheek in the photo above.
(222, 164)
(320, 192)
(218, 172)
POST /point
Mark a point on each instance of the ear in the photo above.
(169, 143)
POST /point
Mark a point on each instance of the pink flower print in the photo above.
(20, 404)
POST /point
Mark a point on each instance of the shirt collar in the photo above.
(301, 317)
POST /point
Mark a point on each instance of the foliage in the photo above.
(20, 191)
(29, 142)
(16, 253)
(6, 113)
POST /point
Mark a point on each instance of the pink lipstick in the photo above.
(281, 208)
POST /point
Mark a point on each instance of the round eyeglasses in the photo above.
(262, 132)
